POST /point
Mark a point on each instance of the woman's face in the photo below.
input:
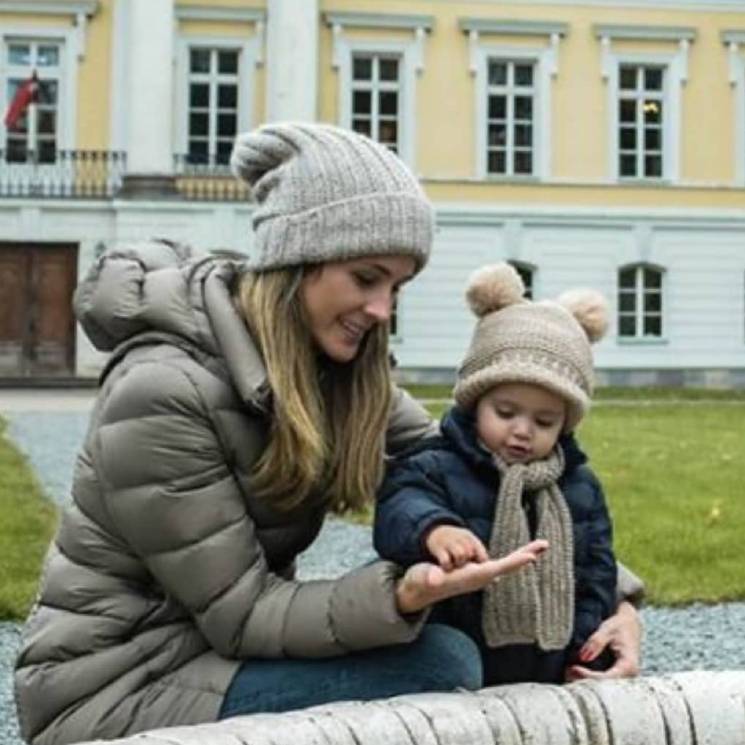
(343, 300)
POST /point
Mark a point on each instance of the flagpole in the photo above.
(33, 126)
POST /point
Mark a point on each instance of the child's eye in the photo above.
(505, 413)
(545, 423)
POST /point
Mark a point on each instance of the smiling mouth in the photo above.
(352, 331)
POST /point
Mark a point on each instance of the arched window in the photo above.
(640, 301)
(527, 273)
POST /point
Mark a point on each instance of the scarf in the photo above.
(536, 603)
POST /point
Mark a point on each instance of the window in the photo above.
(35, 137)
(526, 273)
(212, 105)
(640, 302)
(510, 117)
(514, 64)
(376, 89)
(641, 121)
(644, 98)
(735, 41)
(393, 321)
(378, 58)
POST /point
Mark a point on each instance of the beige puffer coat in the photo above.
(165, 570)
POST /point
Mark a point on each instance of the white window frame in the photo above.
(639, 337)
(675, 73)
(375, 88)
(68, 40)
(410, 53)
(639, 128)
(545, 60)
(249, 56)
(735, 41)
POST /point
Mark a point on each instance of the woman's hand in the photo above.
(425, 584)
(452, 546)
(622, 634)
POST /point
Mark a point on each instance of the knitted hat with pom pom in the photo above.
(546, 343)
(327, 194)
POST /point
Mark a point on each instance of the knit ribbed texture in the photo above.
(327, 194)
(539, 343)
(536, 603)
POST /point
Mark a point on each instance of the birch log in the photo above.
(687, 708)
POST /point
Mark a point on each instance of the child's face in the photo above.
(520, 422)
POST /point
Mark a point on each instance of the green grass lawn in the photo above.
(26, 527)
(674, 476)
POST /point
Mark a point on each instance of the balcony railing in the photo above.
(98, 174)
(208, 180)
(74, 174)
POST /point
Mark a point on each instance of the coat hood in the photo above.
(142, 292)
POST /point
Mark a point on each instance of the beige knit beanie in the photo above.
(518, 341)
(323, 193)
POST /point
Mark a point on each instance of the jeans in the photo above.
(441, 659)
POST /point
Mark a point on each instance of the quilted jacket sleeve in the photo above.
(173, 497)
(596, 578)
(411, 500)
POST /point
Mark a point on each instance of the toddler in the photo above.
(504, 470)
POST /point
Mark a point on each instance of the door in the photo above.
(37, 326)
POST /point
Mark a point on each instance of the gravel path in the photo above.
(699, 636)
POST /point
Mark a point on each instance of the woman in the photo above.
(240, 403)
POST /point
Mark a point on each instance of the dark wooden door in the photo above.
(37, 326)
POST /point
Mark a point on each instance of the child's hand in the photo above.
(453, 547)
(425, 583)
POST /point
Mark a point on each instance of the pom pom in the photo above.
(493, 287)
(258, 152)
(590, 309)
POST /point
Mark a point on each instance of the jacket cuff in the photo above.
(364, 612)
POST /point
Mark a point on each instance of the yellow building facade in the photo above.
(596, 143)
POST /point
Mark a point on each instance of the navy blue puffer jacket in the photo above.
(451, 479)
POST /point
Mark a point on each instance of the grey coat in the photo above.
(166, 571)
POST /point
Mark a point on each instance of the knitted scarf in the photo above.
(536, 603)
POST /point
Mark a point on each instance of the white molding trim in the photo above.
(67, 106)
(250, 52)
(50, 8)
(621, 218)
(546, 70)
(419, 24)
(645, 33)
(380, 20)
(476, 26)
(344, 49)
(508, 27)
(219, 13)
(735, 41)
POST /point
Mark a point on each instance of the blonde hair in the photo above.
(327, 433)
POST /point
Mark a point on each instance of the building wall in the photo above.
(574, 222)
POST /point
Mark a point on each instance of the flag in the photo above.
(24, 97)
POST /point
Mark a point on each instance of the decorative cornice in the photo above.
(380, 20)
(219, 13)
(645, 33)
(50, 7)
(512, 28)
